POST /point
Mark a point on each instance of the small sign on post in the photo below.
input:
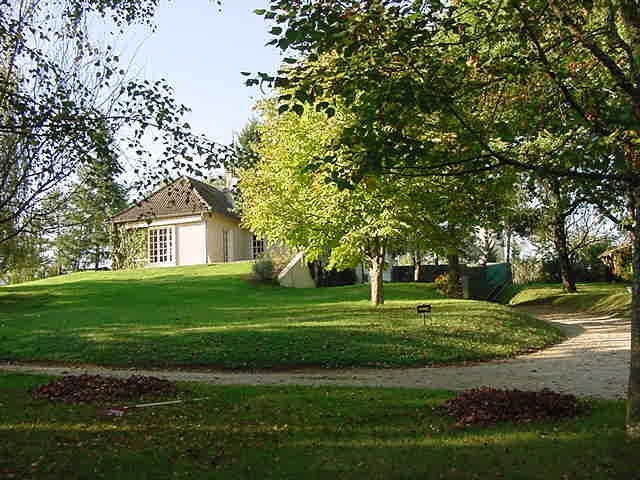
(423, 310)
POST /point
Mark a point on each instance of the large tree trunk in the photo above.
(455, 275)
(562, 251)
(633, 402)
(560, 239)
(375, 280)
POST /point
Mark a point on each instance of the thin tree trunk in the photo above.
(376, 266)
(509, 233)
(375, 280)
(416, 267)
(455, 275)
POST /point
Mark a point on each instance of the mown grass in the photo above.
(300, 432)
(610, 298)
(213, 316)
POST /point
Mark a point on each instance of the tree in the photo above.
(417, 245)
(286, 201)
(66, 103)
(448, 211)
(84, 233)
(26, 257)
(558, 204)
(587, 233)
(244, 154)
(486, 245)
(550, 87)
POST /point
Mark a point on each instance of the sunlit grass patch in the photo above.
(614, 298)
(211, 315)
(300, 432)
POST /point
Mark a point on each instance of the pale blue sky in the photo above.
(201, 51)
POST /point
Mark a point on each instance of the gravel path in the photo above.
(593, 362)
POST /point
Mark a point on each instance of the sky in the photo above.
(201, 50)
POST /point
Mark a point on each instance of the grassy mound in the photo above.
(213, 316)
(591, 297)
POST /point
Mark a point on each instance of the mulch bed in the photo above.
(488, 406)
(99, 389)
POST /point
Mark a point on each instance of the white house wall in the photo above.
(243, 244)
(198, 238)
(190, 243)
(240, 240)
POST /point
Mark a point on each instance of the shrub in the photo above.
(268, 266)
(280, 257)
(128, 248)
(263, 269)
(444, 286)
(527, 271)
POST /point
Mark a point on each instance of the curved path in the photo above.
(592, 362)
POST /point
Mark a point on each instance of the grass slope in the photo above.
(591, 297)
(211, 315)
(297, 432)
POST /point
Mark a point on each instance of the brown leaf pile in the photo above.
(99, 389)
(487, 406)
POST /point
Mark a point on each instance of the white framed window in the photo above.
(161, 242)
(257, 246)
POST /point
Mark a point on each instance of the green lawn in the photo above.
(300, 432)
(212, 315)
(591, 297)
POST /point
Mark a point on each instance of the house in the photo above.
(189, 222)
(619, 260)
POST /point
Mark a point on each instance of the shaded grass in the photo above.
(591, 297)
(300, 432)
(213, 316)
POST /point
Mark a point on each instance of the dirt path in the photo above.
(593, 362)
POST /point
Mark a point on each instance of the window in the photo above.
(161, 245)
(257, 246)
(225, 245)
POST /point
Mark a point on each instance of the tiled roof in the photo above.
(185, 196)
(218, 201)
